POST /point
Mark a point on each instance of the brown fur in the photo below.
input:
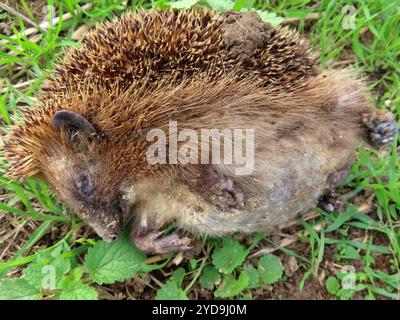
(146, 68)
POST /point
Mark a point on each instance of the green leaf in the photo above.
(178, 276)
(345, 294)
(229, 256)
(332, 285)
(270, 268)
(18, 289)
(116, 261)
(231, 287)
(73, 277)
(172, 289)
(73, 289)
(246, 296)
(210, 277)
(348, 252)
(341, 219)
(78, 291)
(182, 4)
(270, 17)
(46, 276)
(48, 268)
(221, 5)
(239, 4)
(254, 277)
(192, 264)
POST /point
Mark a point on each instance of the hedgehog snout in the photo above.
(110, 237)
(108, 232)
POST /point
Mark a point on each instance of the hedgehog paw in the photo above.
(383, 133)
(329, 201)
(152, 242)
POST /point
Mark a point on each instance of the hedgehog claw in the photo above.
(383, 133)
(151, 242)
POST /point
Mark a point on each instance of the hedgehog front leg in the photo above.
(149, 239)
(382, 128)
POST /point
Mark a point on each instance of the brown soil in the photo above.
(38, 9)
(244, 33)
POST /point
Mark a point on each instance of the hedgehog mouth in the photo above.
(106, 233)
(109, 237)
(107, 224)
(106, 219)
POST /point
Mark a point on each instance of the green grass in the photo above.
(328, 247)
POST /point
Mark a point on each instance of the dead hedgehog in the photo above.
(88, 134)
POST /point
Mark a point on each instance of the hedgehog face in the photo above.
(99, 207)
(79, 171)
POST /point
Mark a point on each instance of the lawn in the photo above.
(353, 253)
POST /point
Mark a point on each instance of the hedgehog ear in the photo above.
(72, 122)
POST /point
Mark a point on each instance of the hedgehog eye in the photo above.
(84, 186)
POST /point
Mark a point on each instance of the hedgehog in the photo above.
(87, 135)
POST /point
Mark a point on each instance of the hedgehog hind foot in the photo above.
(383, 133)
(152, 242)
(329, 201)
(382, 128)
